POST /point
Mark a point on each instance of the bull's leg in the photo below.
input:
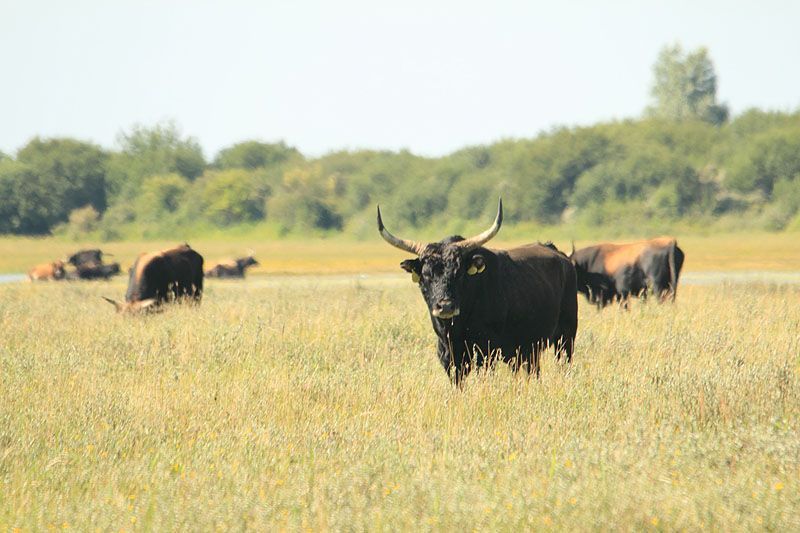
(566, 345)
(534, 366)
(529, 359)
(517, 360)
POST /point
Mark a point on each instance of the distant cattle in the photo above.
(234, 268)
(89, 265)
(85, 257)
(47, 271)
(102, 271)
(486, 304)
(164, 276)
(608, 272)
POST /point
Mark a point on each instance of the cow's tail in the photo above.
(673, 272)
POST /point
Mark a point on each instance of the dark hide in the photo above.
(521, 301)
(86, 258)
(166, 276)
(233, 269)
(598, 288)
(618, 271)
(97, 271)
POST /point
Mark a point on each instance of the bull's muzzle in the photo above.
(445, 309)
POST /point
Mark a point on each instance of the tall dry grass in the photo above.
(322, 405)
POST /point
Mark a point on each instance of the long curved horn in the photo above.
(116, 304)
(413, 247)
(482, 238)
(573, 248)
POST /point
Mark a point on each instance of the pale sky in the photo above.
(429, 76)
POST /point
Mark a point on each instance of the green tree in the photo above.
(232, 196)
(685, 87)
(74, 170)
(767, 158)
(303, 201)
(147, 152)
(254, 154)
(27, 203)
(69, 174)
(161, 195)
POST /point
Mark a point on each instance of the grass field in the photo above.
(321, 405)
(746, 251)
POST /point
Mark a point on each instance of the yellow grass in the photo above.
(759, 251)
(314, 404)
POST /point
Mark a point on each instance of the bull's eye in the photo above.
(472, 270)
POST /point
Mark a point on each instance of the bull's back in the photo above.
(612, 258)
(536, 278)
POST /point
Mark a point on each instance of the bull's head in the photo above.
(248, 261)
(581, 274)
(442, 269)
(133, 307)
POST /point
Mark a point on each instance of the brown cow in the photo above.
(610, 271)
(164, 276)
(47, 271)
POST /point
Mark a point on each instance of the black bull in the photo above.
(163, 276)
(486, 304)
(86, 258)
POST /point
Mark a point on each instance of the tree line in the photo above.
(684, 161)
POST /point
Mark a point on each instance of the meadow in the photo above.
(318, 403)
(761, 251)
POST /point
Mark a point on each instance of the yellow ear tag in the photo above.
(472, 270)
(415, 277)
(481, 269)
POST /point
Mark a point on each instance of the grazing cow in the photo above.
(487, 304)
(47, 271)
(618, 271)
(164, 276)
(234, 268)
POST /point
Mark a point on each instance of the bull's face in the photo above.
(442, 269)
(443, 272)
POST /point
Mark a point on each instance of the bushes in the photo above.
(231, 196)
(655, 169)
(770, 157)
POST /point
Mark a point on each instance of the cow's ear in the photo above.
(410, 265)
(477, 265)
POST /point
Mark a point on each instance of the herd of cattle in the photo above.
(511, 304)
(484, 304)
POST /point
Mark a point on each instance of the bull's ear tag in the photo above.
(415, 277)
(478, 265)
